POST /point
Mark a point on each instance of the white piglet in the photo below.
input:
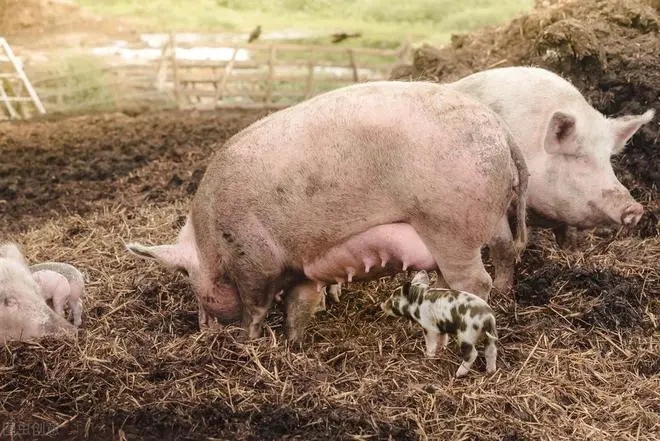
(63, 284)
(442, 312)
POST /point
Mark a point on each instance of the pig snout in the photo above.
(619, 206)
(57, 325)
(632, 214)
(221, 301)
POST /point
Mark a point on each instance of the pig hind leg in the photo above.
(502, 255)
(461, 267)
(301, 304)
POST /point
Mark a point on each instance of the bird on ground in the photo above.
(341, 36)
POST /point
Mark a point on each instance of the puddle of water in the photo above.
(121, 49)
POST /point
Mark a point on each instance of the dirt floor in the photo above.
(579, 353)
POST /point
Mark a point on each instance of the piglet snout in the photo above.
(632, 214)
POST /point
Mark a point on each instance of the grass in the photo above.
(381, 22)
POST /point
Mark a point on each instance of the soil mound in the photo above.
(607, 48)
(38, 16)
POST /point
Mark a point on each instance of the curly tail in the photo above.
(520, 239)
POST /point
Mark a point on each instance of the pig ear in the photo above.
(421, 278)
(172, 256)
(626, 126)
(561, 136)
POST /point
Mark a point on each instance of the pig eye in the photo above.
(10, 302)
(183, 271)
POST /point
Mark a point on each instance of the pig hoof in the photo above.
(461, 372)
(503, 285)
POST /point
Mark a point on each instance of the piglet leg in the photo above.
(301, 303)
(442, 340)
(431, 339)
(76, 311)
(469, 354)
(334, 291)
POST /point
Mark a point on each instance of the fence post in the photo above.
(271, 74)
(310, 78)
(175, 69)
(351, 56)
(219, 92)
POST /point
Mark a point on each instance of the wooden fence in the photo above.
(253, 75)
(275, 75)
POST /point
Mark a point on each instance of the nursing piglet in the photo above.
(63, 284)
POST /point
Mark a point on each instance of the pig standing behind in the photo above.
(445, 311)
(567, 145)
(62, 283)
(24, 313)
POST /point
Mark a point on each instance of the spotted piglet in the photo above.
(442, 312)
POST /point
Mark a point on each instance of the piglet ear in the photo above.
(421, 278)
(626, 126)
(561, 135)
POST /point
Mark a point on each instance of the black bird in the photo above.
(254, 34)
(341, 36)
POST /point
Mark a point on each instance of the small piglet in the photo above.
(62, 283)
(443, 311)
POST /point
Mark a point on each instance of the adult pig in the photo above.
(567, 145)
(285, 191)
(24, 313)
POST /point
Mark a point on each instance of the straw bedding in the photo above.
(578, 352)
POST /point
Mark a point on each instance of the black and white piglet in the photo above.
(442, 312)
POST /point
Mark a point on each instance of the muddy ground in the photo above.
(578, 337)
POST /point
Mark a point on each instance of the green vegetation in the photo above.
(382, 22)
(70, 79)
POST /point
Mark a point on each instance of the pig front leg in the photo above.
(301, 304)
(460, 264)
(431, 339)
(503, 256)
(334, 291)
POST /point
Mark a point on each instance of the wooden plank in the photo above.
(351, 57)
(202, 64)
(271, 73)
(259, 105)
(210, 93)
(265, 47)
(220, 88)
(309, 81)
(175, 68)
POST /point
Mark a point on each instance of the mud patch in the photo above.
(72, 165)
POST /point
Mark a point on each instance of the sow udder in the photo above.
(386, 248)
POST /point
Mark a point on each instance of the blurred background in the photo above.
(89, 55)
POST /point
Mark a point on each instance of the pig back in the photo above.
(307, 177)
